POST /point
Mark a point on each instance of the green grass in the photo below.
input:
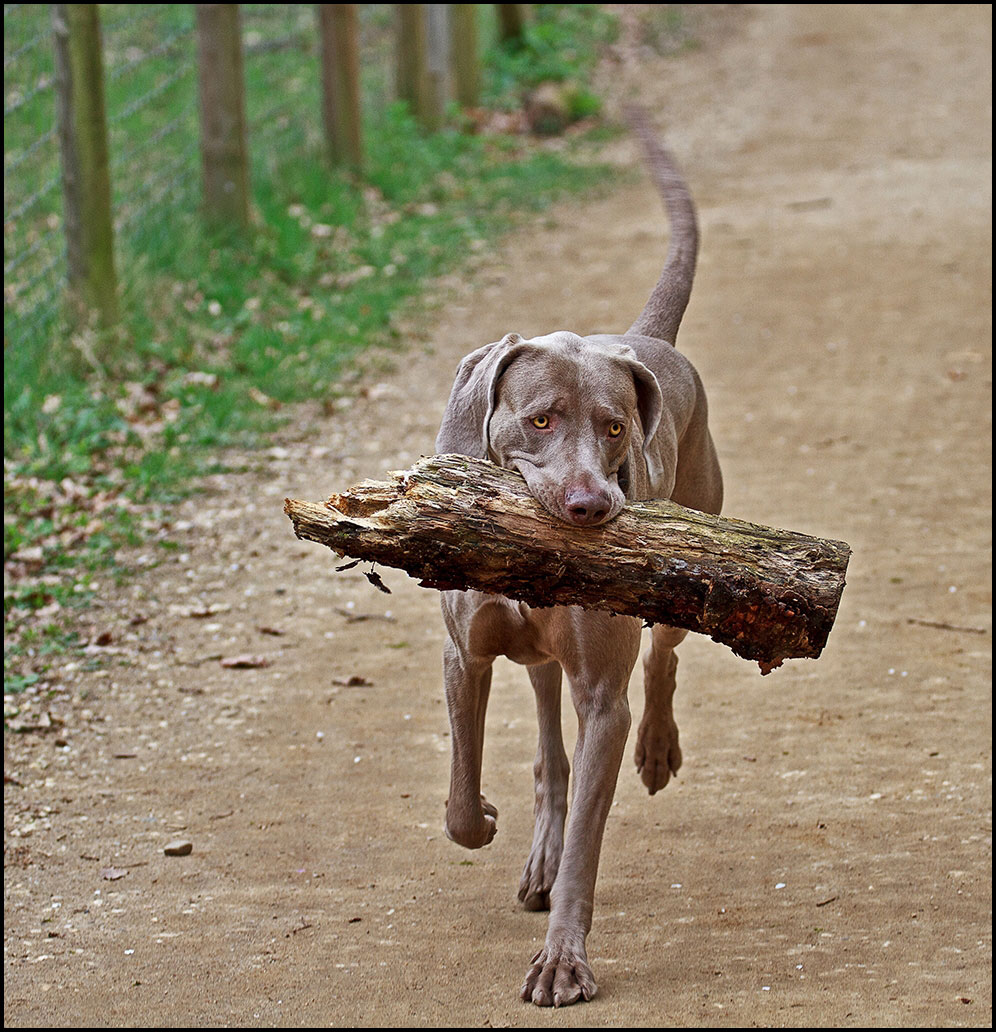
(219, 333)
(561, 44)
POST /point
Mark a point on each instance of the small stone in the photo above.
(178, 847)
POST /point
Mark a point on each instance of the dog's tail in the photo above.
(661, 316)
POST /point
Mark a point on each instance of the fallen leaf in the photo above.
(245, 662)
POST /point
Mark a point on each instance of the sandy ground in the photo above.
(824, 857)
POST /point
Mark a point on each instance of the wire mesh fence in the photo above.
(150, 77)
(150, 66)
(34, 247)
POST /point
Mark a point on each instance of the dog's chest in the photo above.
(503, 627)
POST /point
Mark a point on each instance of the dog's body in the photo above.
(589, 422)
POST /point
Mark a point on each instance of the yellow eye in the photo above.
(540, 422)
(615, 429)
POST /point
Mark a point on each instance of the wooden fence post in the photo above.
(511, 22)
(413, 60)
(340, 83)
(86, 177)
(464, 57)
(224, 142)
(438, 62)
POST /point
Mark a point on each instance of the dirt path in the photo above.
(824, 858)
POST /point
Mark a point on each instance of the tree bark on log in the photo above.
(455, 522)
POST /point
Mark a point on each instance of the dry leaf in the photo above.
(245, 662)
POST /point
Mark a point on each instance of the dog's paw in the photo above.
(559, 976)
(541, 866)
(537, 880)
(474, 829)
(658, 754)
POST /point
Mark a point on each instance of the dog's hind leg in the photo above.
(471, 820)
(551, 771)
(658, 754)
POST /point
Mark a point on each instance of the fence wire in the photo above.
(150, 71)
(150, 82)
(33, 245)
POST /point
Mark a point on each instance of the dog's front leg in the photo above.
(560, 973)
(471, 820)
(550, 771)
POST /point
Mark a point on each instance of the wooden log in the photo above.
(457, 522)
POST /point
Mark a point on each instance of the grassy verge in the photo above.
(218, 335)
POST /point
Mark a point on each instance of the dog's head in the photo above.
(578, 419)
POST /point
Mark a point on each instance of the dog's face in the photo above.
(564, 412)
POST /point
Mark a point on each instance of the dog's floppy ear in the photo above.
(650, 405)
(464, 429)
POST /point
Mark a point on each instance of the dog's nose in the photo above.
(586, 508)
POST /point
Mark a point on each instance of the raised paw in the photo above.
(658, 754)
(471, 827)
(558, 976)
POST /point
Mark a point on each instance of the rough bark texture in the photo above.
(457, 522)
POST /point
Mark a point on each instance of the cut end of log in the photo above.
(457, 523)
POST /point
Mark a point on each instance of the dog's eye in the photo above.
(615, 429)
(540, 422)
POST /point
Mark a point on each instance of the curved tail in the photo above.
(661, 316)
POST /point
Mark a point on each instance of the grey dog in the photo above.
(589, 422)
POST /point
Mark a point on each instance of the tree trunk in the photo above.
(457, 522)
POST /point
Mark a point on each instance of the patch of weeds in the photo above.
(16, 684)
(561, 44)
